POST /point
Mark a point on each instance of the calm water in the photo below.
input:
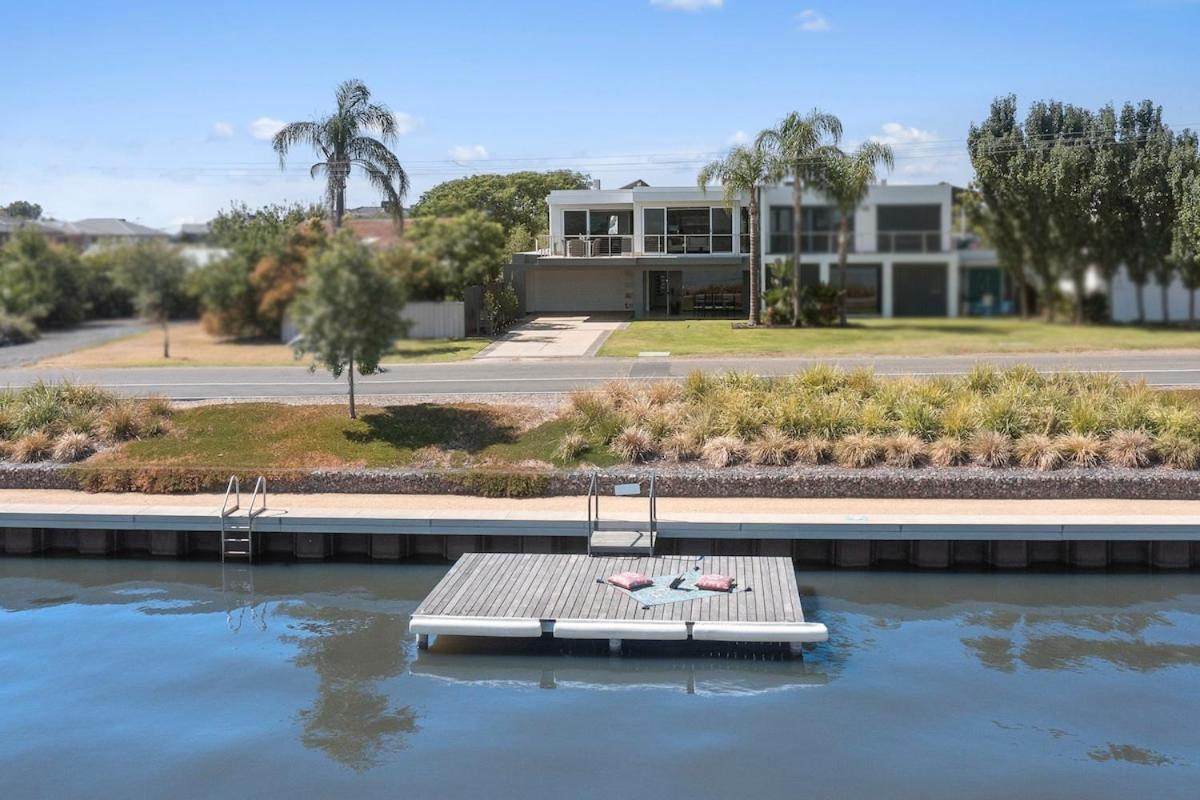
(148, 679)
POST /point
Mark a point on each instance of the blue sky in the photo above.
(154, 112)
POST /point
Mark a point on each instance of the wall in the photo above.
(427, 320)
(1124, 299)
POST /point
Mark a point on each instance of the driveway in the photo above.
(554, 337)
(55, 343)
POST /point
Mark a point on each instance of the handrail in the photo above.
(593, 496)
(261, 483)
(235, 487)
(653, 513)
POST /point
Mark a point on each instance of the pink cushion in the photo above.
(715, 583)
(630, 580)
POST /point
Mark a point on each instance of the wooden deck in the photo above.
(528, 595)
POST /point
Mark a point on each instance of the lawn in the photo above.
(192, 347)
(262, 436)
(909, 337)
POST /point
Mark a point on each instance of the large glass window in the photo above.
(821, 225)
(781, 230)
(909, 228)
(688, 230)
(745, 243)
(575, 223)
(654, 228)
(722, 229)
(610, 223)
(863, 294)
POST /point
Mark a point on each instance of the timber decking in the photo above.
(515, 594)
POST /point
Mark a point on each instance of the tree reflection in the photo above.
(352, 720)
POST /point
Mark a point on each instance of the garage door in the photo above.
(920, 290)
(578, 290)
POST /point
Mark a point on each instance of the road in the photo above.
(54, 343)
(544, 376)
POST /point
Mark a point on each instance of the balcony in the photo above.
(584, 246)
(881, 242)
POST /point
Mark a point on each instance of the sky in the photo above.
(162, 113)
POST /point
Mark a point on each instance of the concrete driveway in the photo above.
(554, 337)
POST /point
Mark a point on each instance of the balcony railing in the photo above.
(625, 245)
(881, 242)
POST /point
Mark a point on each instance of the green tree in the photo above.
(467, 250)
(799, 146)
(847, 179)
(41, 280)
(1071, 162)
(1147, 142)
(744, 171)
(349, 310)
(1182, 169)
(154, 273)
(342, 144)
(1110, 205)
(106, 299)
(21, 209)
(1186, 245)
(515, 200)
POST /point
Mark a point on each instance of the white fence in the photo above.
(426, 320)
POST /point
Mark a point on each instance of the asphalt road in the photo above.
(543, 376)
(55, 343)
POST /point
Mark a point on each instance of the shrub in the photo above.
(156, 407)
(921, 420)
(903, 450)
(1129, 448)
(723, 451)
(858, 450)
(664, 392)
(119, 423)
(72, 447)
(680, 446)
(983, 379)
(571, 446)
(1178, 450)
(633, 444)
(697, 385)
(949, 451)
(812, 450)
(1081, 449)
(500, 307)
(1038, 451)
(619, 393)
(991, 449)
(596, 415)
(16, 330)
(772, 448)
(34, 446)
(503, 483)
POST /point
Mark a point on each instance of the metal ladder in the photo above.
(237, 537)
(622, 540)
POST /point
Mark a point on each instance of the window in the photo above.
(688, 230)
(909, 228)
(781, 230)
(574, 223)
(745, 243)
(610, 223)
(722, 229)
(654, 227)
(821, 225)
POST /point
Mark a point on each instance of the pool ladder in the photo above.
(237, 532)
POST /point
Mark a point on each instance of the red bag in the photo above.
(630, 580)
(715, 583)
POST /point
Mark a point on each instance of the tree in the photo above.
(1182, 169)
(1186, 244)
(341, 142)
(349, 310)
(1109, 203)
(514, 200)
(278, 276)
(154, 273)
(744, 171)
(847, 179)
(799, 146)
(21, 209)
(1071, 161)
(467, 250)
(1148, 144)
(41, 280)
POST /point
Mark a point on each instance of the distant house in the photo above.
(194, 232)
(109, 230)
(10, 225)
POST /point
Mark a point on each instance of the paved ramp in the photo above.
(553, 337)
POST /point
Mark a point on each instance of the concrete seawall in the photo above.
(857, 534)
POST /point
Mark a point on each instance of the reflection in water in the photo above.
(352, 720)
(1131, 753)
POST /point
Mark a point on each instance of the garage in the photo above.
(549, 290)
(920, 290)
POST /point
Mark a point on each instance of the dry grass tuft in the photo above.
(35, 446)
(664, 392)
(72, 447)
(904, 450)
(680, 446)
(724, 451)
(633, 444)
(858, 450)
(1129, 448)
(772, 448)
(991, 449)
(813, 450)
(949, 451)
(571, 446)
(1178, 450)
(1038, 451)
(120, 423)
(1081, 449)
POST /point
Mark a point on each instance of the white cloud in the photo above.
(895, 133)
(265, 128)
(407, 123)
(221, 130)
(739, 137)
(687, 5)
(463, 152)
(922, 156)
(812, 21)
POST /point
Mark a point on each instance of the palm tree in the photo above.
(846, 180)
(799, 144)
(743, 170)
(341, 141)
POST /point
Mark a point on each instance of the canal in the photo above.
(127, 679)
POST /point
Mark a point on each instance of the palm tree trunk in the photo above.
(350, 375)
(166, 337)
(797, 245)
(339, 204)
(843, 248)
(755, 246)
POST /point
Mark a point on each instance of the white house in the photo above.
(667, 252)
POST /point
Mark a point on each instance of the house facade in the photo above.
(654, 252)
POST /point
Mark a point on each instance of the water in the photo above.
(144, 679)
